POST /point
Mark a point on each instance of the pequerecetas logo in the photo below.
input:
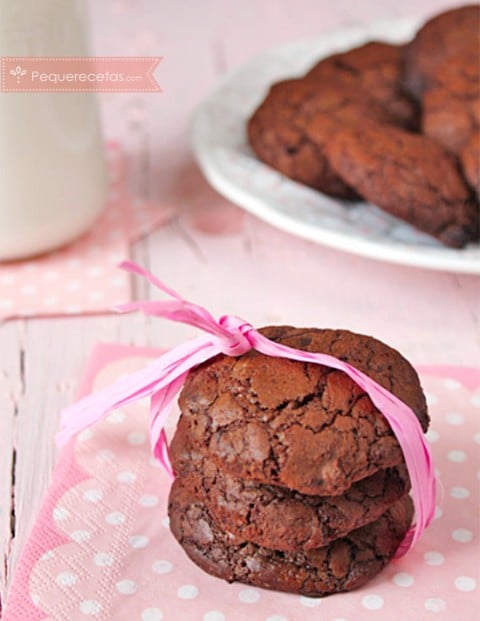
(106, 74)
(18, 73)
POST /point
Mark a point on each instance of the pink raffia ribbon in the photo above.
(163, 379)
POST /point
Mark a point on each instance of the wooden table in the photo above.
(211, 251)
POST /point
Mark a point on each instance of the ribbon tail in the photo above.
(143, 383)
(160, 409)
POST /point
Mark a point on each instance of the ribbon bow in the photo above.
(163, 379)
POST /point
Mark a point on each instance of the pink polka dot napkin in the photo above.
(101, 548)
(83, 277)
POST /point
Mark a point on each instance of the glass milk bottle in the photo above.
(52, 171)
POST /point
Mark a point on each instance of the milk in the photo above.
(52, 172)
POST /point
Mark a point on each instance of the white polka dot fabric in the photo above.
(102, 550)
(83, 277)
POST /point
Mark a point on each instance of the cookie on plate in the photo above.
(470, 159)
(343, 565)
(451, 105)
(299, 425)
(277, 131)
(443, 36)
(377, 69)
(278, 518)
(410, 176)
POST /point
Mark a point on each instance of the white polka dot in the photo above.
(403, 579)
(126, 587)
(66, 579)
(28, 290)
(115, 518)
(74, 262)
(162, 567)
(475, 400)
(136, 437)
(372, 602)
(127, 476)
(459, 492)
(153, 461)
(35, 598)
(476, 438)
(6, 303)
(249, 596)
(438, 513)
(187, 591)
(462, 535)
(432, 435)
(139, 541)
(214, 615)
(50, 275)
(457, 457)
(452, 384)
(433, 558)
(95, 271)
(73, 285)
(118, 281)
(277, 618)
(431, 400)
(152, 614)
(50, 300)
(454, 418)
(105, 455)
(73, 309)
(60, 514)
(310, 602)
(84, 435)
(115, 417)
(95, 296)
(166, 522)
(93, 495)
(90, 607)
(434, 604)
(149, 500)
(465, 583)
(79, 536)
(7, 279)
(103, 559)
(46, 556)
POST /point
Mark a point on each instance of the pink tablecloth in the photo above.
(101, 547)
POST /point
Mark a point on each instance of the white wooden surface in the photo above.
(249, 269)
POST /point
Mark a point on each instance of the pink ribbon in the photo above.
(163, 379)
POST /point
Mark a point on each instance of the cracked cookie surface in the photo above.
(343, 565)
(299, 425)
(409, 176)
(279, 518)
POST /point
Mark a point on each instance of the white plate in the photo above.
(220, 145)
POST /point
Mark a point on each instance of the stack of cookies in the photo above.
(287, 476)
(397, 125)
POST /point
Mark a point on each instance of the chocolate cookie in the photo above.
(443, 36)
(375, 68)
(277, 130)
(276, 517)
(299, 425)
(470, 159)
(410, 176)
(343, 565)
(451, 106)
